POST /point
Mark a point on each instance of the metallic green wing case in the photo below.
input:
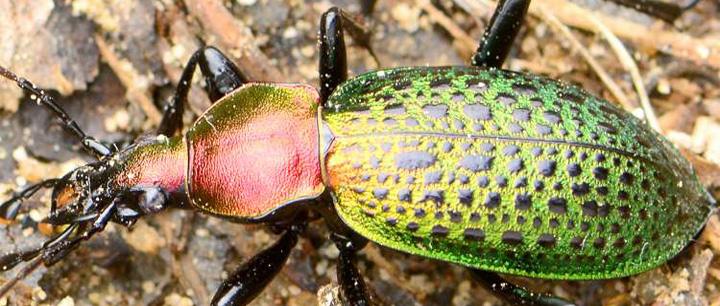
(507, 172)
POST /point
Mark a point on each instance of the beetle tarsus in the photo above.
(58, 247)
(512, 293)
(29, 268)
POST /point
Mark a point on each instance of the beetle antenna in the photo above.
(49, 252)
(90, 144)
(27, 269)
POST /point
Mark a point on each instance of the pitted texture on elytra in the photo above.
(465, 176)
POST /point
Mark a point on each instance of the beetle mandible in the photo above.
(440, 162)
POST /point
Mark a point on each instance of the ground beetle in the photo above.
(495, 170)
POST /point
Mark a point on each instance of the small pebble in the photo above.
(28, 231)
(38, 294)
(148, 287)
(66, 301)
(294, 290)
(321, 267)
(175, 299)
(202, 232)
(663, 87)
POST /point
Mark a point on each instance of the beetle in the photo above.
(495, 170)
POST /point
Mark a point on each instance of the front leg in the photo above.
(254, 275)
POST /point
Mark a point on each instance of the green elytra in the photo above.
(507, 172)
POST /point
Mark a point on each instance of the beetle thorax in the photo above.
(254, 151)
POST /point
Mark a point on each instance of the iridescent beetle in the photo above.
(494, 170)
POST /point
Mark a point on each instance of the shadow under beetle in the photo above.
(495, 170)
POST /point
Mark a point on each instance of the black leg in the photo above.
(221, 74)
(512, 293)
(221, 77)
(90, 145)
(140, 201)
(353, 289)
(333, 58)
(253, 276)
(500, 33)
(667, 11)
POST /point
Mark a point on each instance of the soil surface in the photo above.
(113, 65)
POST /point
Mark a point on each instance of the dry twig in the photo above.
(233, 36)
(128, 76)
(182, 266)
(465, 44)
(703, 51)
(614, 88)
(629, 64)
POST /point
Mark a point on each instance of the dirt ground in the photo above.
(112, 64)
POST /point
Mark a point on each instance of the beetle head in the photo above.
(83, 193)
(80, 194)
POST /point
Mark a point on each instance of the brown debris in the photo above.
(44, 42)
(135, 52)
(234, 37)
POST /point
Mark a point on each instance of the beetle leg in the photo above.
(512, 293)
(221, 77)
(500, 33)
(252, 277)
(140, 201)
(667, 11)
(90, 144)
(353, 289)
(333, 57)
